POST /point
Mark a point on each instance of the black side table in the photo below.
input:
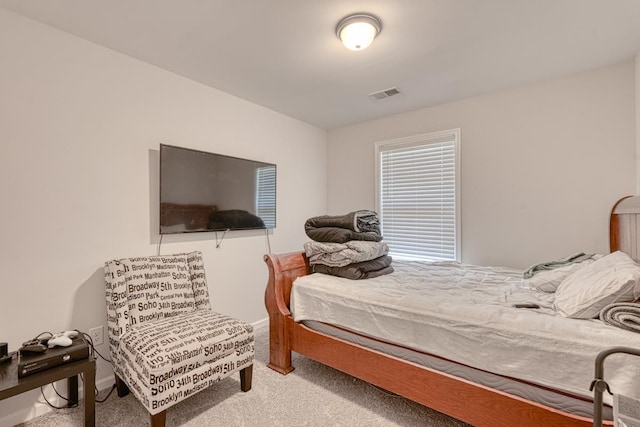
(11, 385)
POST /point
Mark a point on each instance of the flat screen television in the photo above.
(201, 191)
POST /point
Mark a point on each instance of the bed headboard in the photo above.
(624, 226)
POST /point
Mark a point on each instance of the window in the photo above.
(266, 195)
(417, 195)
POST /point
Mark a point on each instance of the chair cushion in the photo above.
(158, 287)
(167, 348)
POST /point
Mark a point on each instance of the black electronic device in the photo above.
(34, 346)
(201, 191)
(5, 356)
(30, 362)
(526, 305)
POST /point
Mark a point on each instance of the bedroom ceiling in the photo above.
(284, 54)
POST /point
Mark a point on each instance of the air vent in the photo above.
(386, 93)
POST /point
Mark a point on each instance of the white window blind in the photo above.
(266, 195)
(418, 196)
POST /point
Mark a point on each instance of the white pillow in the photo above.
(549, 280)
(612, 278)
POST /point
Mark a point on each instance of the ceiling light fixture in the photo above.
(358, 31)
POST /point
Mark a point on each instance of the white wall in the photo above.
(541, 164)
(80, 127)
(637, 82)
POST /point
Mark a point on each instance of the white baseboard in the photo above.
(24, 415)
(40, 407)
(261, 323)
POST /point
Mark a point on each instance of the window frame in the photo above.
(265, 207)
(416, 141)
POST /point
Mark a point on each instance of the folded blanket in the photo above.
(625, 315)
(360, 270)
(366, 221)
(359, 221)
(358, 225)
(550, 265)
(341, 254)
(340, 235)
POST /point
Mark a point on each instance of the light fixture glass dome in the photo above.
(358, 31)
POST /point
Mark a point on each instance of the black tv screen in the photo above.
(202, 191)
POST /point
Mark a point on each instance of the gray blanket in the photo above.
(550, 265)
(360, 221)
(360, 270)
(625, 315)
(358, 225)
(341, 254)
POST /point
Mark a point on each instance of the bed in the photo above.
(476, 396)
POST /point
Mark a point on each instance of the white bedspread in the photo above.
(464, 313)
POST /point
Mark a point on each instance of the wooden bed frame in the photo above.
(472, 403)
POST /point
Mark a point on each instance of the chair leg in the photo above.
(121, 387)
(159, 419)
(245, 378)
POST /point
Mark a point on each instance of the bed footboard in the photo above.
(283, 270)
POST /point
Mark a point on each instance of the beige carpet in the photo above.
(312, 395)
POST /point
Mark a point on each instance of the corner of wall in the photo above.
(637, 81)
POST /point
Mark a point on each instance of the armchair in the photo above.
(166, 343)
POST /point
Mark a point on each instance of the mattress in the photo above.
(465, 314)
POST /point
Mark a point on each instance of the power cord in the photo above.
(219, 242)
(266, 235)
(59, 395)
(113, 387)
(159, 243)
(97, 393)
(51, 404)
(93, 348)
(43, 333)
(93, 353)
